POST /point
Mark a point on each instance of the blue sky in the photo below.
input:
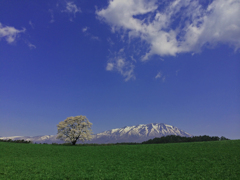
(120, 63)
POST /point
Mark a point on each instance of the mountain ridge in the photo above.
(137, 133)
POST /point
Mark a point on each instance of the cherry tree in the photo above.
(73, 129)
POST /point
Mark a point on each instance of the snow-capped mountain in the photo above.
(138, 133)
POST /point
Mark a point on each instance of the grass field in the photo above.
(193, 160)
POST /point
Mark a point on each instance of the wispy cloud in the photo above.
(31, 46)
(117, 62)
(182, 26)
(163, 78)
(177, 72)
(31, 24)
(95, 38)
(133, 59)
(52, 16)
(72, 8)
(110, 41)
(160, 76)
(9, 33)
(110, 66)
(84, 29)
(65, 7)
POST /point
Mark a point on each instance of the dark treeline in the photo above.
(178, 139)
(163, 139)
(16, 141)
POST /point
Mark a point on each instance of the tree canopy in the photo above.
(73, 129)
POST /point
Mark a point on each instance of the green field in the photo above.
(193, 160)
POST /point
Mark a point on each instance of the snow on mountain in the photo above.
(138, 133)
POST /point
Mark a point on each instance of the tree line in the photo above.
(178, 139)
(16, 141)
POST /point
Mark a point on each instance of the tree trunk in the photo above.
(74, 142)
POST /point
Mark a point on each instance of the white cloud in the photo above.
(72, 8)
(133, 59)
(52, 16)
(68, 6)
(182, 26)
(163, 79)
(110, 41)
(222, 24)
(84, 29)
(109, 66)
(31, 24)
(9, 33)
(159, 75)
(118, 63)
(95, 37)
(177, 72)
(31, 46)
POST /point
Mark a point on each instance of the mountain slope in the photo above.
(138, 133)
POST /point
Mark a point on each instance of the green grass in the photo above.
(194, 160)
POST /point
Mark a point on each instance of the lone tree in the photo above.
(73, 129)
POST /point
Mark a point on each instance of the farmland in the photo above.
(188, 160)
